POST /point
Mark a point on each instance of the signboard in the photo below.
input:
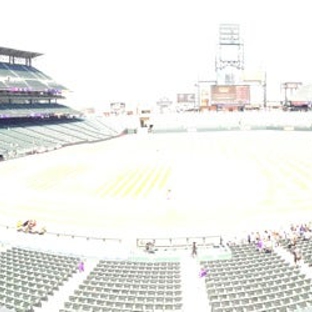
(292, 85)
(118, 107)
(230, 95)
(185, 98)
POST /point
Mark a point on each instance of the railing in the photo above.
(65, 243)
(177, 242)
(97, 245)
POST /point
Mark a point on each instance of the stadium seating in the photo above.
(32, 122)
(23, 76)
(28, 277)
(253, 281)
(22, 136)
(129, 286)
(35, 109)
(305, 247)
(248, 281)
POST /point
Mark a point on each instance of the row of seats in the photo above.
(278, 287)
(29, 277)
(128, 292)
(110, 285)
(120, 286)
(256, 281)
(138, 264)
(304, 246)
(20, 136)
(26, 77)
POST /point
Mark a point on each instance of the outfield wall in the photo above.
(188, 122)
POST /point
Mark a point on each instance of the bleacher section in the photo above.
(254, 281)
(26, 77)
(28, 277)
(31, 120)
(38, 109)
(303, 245)
(122, 286)
(249, 281)
(24, 136)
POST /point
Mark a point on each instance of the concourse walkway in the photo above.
(193, 287)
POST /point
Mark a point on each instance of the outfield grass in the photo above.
(219, 181)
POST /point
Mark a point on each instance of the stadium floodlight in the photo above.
(230, 56)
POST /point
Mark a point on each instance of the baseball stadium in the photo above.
(124, 213)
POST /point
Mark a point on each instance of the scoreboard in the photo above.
(230, 95)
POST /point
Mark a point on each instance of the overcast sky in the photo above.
(138, 51)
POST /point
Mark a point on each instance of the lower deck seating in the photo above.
(24, 136)
(129, 286)
(28, 277)
(256, 281)
(303, 245)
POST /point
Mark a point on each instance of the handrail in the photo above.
(72, 235)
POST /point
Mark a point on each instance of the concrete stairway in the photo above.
(193, 287)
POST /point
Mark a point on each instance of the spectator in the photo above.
(306, 235)
(268, 245)
(194, 250)
(19, 226)
(203, 272)
(81, 266)
(292, 244)
(150, 247)
(259, 244)
(25, 223)
(249, 238)
(302, 229)
(297, 256)
(221, 241)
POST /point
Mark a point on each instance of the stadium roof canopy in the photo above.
(18, 53)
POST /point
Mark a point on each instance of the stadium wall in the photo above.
(216, 121)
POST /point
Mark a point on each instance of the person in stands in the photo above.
(307, 235)
(32, 225)
(268, 245)
(203, 272)
(150, 247)
(297, 256)
(259, 244)
(194, 250)
(81, 266)
(19, 226)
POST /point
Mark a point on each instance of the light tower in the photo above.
(230, 55)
